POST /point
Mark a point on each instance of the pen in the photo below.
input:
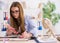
(35, 38)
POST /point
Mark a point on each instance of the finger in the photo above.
(21, 36)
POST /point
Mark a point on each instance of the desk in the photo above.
(17, 40)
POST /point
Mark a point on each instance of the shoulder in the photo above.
(30, 17)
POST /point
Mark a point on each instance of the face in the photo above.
(15, 12)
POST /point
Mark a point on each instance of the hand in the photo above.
(6, 25)
(26, 35)
(10, 30)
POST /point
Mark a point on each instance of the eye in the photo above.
(16, 11)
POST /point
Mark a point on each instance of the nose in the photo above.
(14, 14)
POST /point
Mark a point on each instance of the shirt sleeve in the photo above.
(31, 26)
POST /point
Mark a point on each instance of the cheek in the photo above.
(17, 15)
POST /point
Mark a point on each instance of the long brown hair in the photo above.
(20, 21)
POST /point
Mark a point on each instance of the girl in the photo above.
(18, 23)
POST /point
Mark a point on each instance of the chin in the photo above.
(16, 17)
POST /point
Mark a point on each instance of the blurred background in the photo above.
(50, 9)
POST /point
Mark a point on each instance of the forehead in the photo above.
(14, 8)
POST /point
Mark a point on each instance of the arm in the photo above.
(48, 25)
(31, 26)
